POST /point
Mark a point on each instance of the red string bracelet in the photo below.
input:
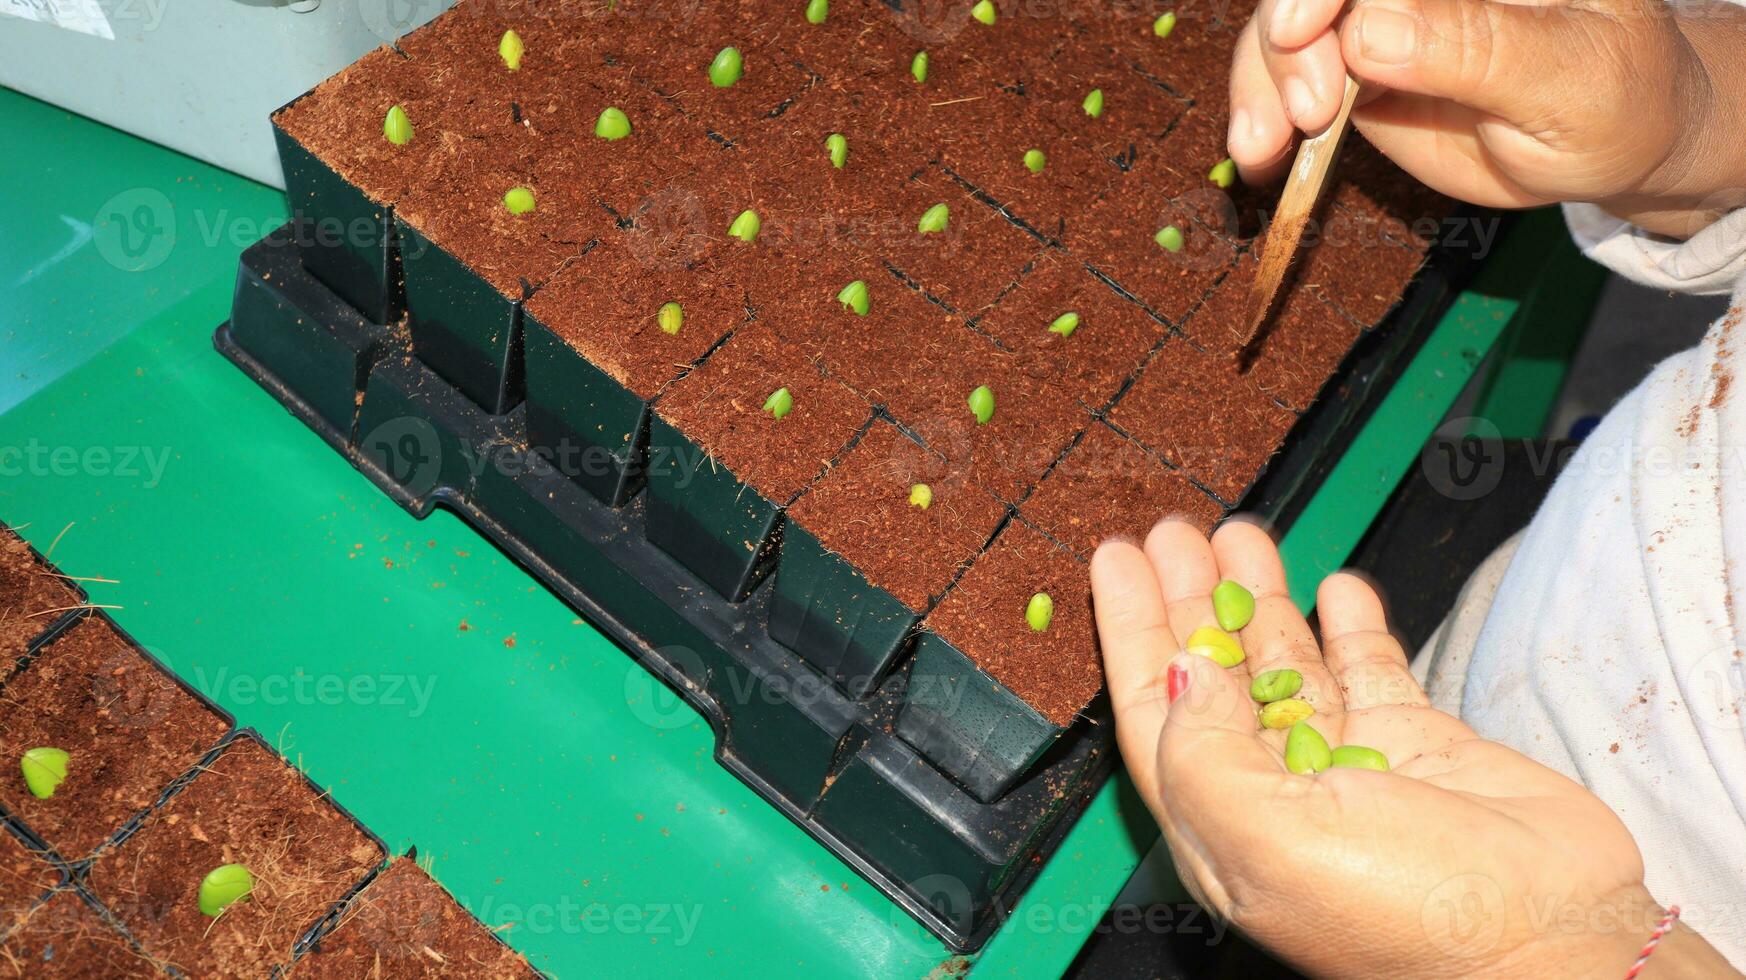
(1665, 927)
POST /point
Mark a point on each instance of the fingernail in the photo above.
(1176, 680)
(1386, 36)
(1299, 100)
(1242, 128)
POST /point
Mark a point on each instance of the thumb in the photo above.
(1504, 59)
(1211, 756)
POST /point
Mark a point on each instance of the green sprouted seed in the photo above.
(934, 219)
(519, 200)
(921, 495)
(727, 68)
(1093, 104)
(981, 403)
(1233, 605)
(1040, 612)
(1306, 751)
(746, 226)
(613, 124)
(984, 12)
(222, 887)
(671, 317)
(837, 145)
(1223, 173)
(854, 297)
(44, 770)
(1164, 24)
(1358, 757)
(817, 11)
(1169, 238)
(780, 403)
(397, 127)
(1065, 324)
(510, 49)
(918, 66)
(1035, 161)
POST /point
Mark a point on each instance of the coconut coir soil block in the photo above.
(32, 595)
(128, 728)
(966, 306)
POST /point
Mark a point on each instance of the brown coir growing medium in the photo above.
(1135, 409)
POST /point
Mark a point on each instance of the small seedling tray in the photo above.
(77, 863)
(346, 240)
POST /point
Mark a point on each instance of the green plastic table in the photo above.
(441, 693)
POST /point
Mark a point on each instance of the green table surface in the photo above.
(441, 693)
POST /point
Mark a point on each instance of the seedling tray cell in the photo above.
(784, 728)
(707, 518)
(247, 805)
(323, 344)
(345, 240)
(822, 606)
(131, 727)
(461, 325)
(36, 601)
(969, 724)
(594, 428)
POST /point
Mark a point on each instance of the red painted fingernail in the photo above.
(1176, 681)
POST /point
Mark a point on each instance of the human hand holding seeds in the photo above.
(1629, 104)
(1465, 858)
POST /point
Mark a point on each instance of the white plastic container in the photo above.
(199, 76)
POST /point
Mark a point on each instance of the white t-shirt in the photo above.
(1614, 650)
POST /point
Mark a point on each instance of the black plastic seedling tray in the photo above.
(821, 740)
(784, 729)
